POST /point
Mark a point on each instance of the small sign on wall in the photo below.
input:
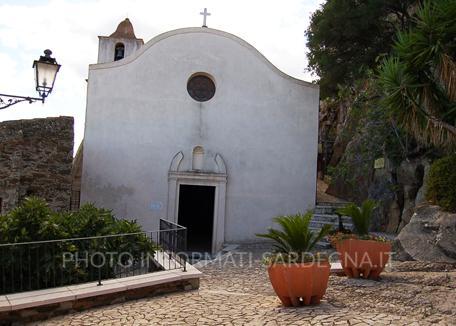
(379, 163)
(156, 205)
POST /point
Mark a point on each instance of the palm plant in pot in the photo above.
(298, 276)
(362, 254)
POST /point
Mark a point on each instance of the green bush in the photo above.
(441, 183)
(33, 220)
(44, 263)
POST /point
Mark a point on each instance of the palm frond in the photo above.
(294, 236)
(419, 80)
(361, 216)
(446, 71)
(324, 231)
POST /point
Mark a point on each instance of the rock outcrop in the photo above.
(410, 179)
(396, 187)
(430, 236)
(383, 190)
(332, 120)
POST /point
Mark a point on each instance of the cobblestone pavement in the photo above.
(236, 291)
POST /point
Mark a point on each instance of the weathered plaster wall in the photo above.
(35, 159)
(261, 121)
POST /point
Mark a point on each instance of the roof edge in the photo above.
(189, 30)
(120, 38)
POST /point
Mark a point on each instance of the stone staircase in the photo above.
(325, 213)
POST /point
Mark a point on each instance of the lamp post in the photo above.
(46, 69)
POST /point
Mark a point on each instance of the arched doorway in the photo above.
(196, 199)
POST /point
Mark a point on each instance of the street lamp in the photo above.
(46, 69)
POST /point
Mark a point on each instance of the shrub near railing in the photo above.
(40, 248)
(44, 264)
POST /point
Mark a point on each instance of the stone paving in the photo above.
(236, 291)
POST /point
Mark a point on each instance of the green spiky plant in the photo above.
(295, 239)
(418, 79)
(361, 216)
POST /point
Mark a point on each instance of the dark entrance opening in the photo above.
(196, 213)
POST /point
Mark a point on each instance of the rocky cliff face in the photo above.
(357, 140)
(35, 160)
(397, 189)
(332, 121)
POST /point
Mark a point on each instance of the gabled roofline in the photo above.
(189, 30)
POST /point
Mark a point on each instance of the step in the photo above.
(317, 224)
(331, 217)
(330, 204)
(336, 222)
(323, 244)
(328, 208)
(322, 210)
(345, 222)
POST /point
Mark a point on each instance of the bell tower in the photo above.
(119, 44)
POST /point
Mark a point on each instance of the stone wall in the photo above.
(76, 174)
(35, 160)
(87, 300)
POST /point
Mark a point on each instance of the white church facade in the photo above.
(197, 127)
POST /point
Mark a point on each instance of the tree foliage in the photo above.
(346, 36)
(419, 80)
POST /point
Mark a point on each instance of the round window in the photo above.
(201, 87)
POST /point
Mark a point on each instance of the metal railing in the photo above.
(29, 266)
(174, 236)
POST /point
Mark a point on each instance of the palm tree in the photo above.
(419, 79)
(361, 216)
(295, 238)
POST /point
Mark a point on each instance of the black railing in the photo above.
(38, 265)
(174, 236)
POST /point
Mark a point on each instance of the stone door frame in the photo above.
(217, 180)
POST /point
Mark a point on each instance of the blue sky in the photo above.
(70, 29)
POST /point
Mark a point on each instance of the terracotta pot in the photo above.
(299, 284)
(363, 258)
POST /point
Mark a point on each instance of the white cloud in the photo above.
(70, 28)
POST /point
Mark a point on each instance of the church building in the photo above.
(197, 127)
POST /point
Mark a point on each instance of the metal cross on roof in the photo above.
(205, 14)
